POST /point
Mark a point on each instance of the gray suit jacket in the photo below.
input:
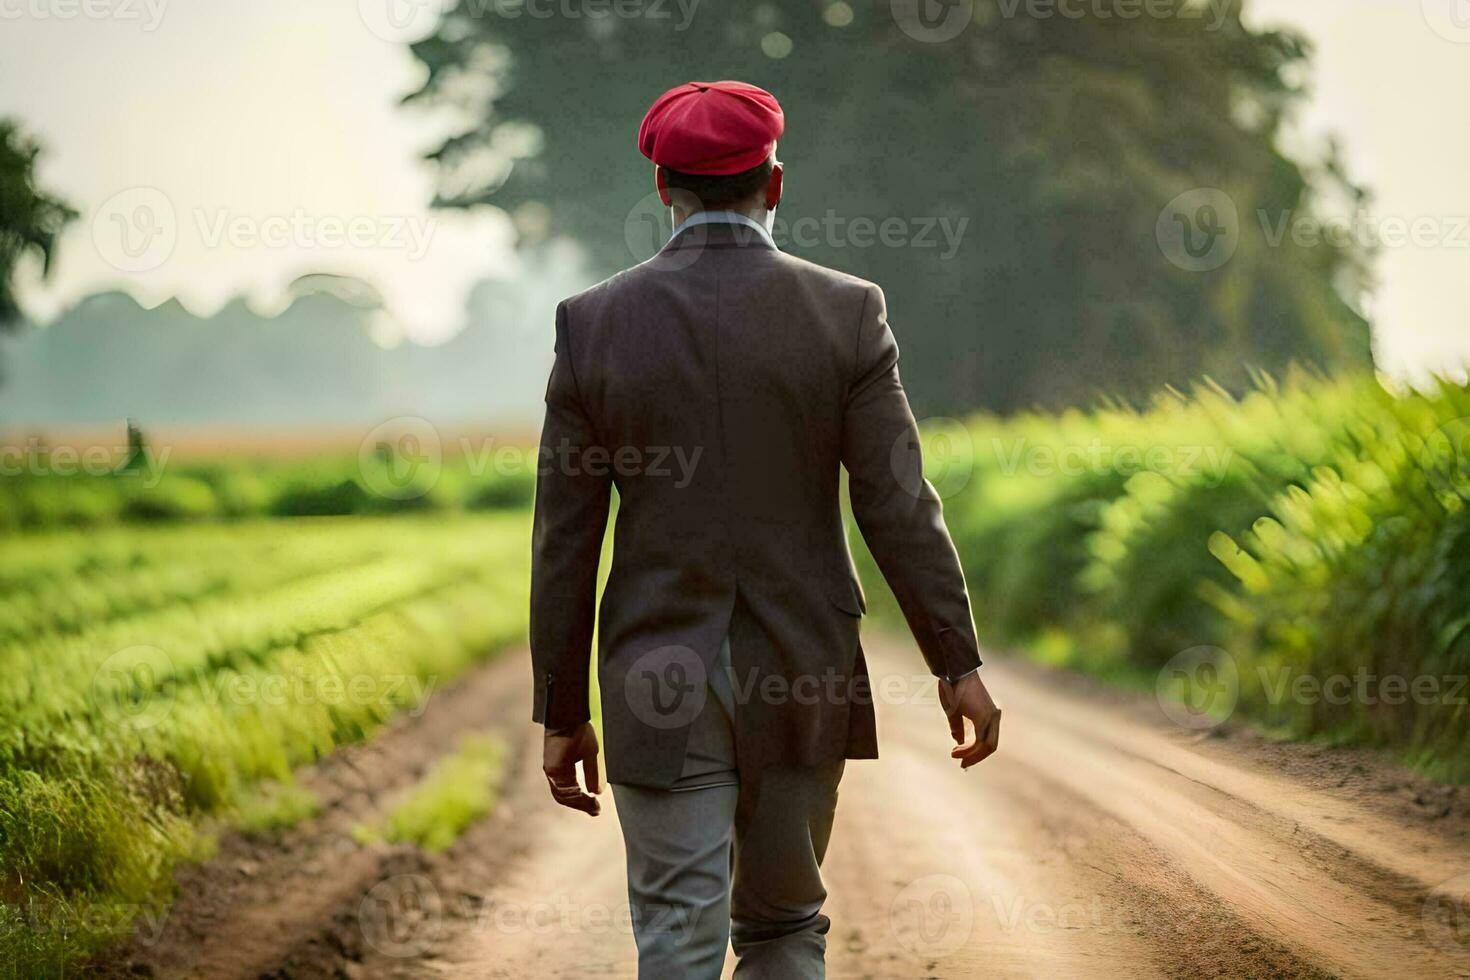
(721, 387)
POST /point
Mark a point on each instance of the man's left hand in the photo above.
(559, 757)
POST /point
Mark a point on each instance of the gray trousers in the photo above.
(705, 871)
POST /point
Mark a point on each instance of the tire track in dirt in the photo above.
(1340, 886)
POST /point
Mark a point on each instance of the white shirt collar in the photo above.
(725, 218)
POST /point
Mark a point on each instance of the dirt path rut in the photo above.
(1099, 842)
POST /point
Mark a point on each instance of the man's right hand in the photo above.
(968, 698)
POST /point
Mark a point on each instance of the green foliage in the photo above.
(306, 499)
(276, 806)
(158, 676)
(1057, 142)
(1317, 531)
(160, 490)
(506, 492)
(460, 789)
(1363, 572)
(30, 219)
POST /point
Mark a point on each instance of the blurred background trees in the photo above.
(30, 219)
(1060, 140)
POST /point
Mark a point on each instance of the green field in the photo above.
(156, 674)
(167, 668)
(1308, 543)
(48, 488)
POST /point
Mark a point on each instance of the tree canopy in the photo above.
(1023, 170)
(30, 219)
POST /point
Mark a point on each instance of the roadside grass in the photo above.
(460, 789)
(274, 807)
(1304, 535)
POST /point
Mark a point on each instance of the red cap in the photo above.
(711, 128)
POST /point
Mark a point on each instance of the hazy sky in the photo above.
(1391, 77)
(272, 131)
(217, 148)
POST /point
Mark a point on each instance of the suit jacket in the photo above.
(721, 387)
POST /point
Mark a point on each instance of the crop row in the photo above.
(1300, 555)
(123, 736)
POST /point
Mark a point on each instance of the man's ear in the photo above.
(773, 187)
(662, 184)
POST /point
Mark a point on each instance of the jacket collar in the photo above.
(720, 229)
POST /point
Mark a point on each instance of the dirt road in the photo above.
(1099, 842)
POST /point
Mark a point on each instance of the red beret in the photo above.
(711, 128)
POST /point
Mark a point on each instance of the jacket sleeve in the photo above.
(897, 510)
(572, 490)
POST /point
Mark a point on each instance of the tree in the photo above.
(30, 219)
(1052, 143)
